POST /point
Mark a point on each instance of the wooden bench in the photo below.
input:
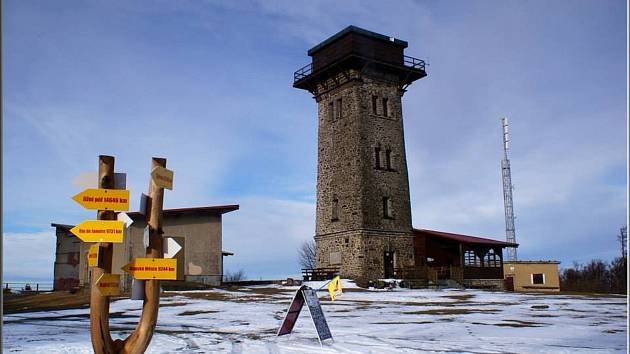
(311, 274)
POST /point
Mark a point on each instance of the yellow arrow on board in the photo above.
(162, 177)
(93, 254)
(100, 231)
(103, 199)
(109, 284)
(152, 268)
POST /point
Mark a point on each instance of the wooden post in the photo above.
(139, 340)
(99, 305)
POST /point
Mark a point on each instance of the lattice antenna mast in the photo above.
(510, 232)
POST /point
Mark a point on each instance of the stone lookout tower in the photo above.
(363, 225)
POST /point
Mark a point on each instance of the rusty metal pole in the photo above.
(139, 340)
(99, 305)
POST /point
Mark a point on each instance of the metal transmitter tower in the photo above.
(510, 233)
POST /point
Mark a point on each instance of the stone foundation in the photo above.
(493, 284)
(360, 254)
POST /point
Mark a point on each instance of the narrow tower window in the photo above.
(331, 111)
(377, 157)
(335, 209)
(374, 99)
(385, 108)
(388, 159)
(387, 208)
(338, 108)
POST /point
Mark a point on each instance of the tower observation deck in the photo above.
(358, 49)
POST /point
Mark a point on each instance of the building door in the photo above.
(509, 283)
(389, 265)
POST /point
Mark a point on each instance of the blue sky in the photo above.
(207, 84)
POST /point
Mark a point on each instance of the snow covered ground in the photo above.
(361, 321)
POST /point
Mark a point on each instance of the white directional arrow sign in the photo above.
(171, 247)
(145, 237)
(90, 180)
(124, 218)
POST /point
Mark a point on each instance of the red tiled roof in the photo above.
(178, 211)
(463, 238)
(135, 214)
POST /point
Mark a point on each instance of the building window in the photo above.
(492, 259)
(385, 108)
(374, 100)
(338, 111)
(335, 209)
(377, 157)
(335, 257)
(387, 208)
(538, 278)
(331, 111)
(471, 259)
(388, 159)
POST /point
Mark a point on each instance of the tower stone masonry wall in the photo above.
(349, 178)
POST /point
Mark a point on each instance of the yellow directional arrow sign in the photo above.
(103, 199)
(152, 268)
(108, 284)
(162, 177)
(93, 254)
(100, 231)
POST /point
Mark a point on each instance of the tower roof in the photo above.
(464, 238)
(359, 31)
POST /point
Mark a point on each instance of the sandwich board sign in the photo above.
(309, 296)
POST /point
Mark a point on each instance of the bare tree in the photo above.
(234, 276)
(307, 254)
(623, 240)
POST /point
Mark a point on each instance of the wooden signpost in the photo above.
(106, 199)
(152, 268)
(108, 284)
(103, 199)
(100, 231)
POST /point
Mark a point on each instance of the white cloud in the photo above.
(28, 256)
(265, 235)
